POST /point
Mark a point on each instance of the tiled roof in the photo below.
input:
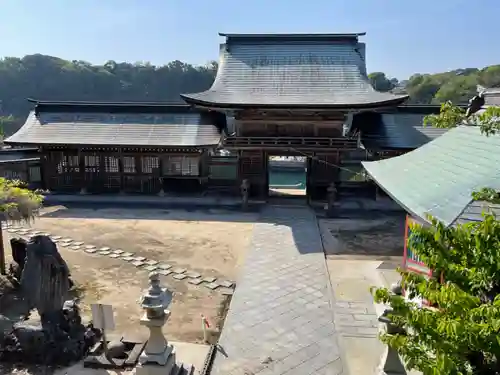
(287, 70)
(399, 131)
(439, 177)
(116, 124)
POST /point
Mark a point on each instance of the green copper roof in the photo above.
(439, 177)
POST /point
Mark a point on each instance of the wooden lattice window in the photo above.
(129, 164)
(181, 166)
(111, 164)
(150, 163)
(68, 164)
(92, 163)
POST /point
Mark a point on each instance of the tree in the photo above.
(459, 334)
(17, 204)
(381, 83)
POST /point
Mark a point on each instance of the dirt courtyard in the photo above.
(210, 242)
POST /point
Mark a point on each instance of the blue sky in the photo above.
(403, 37)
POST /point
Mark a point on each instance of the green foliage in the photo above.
(460, 333)
(17, 203)
(451, 116)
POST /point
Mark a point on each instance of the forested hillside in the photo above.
(51, 78)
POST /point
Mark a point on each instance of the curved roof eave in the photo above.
(194, 100)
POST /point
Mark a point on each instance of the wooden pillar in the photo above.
(81, 168)
(121, 170)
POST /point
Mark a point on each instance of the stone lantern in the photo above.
(390, 362)
(158, 356)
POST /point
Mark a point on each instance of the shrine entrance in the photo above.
(287, 177)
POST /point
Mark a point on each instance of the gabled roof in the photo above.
(439, 177)
(292, 70)
(118, 124)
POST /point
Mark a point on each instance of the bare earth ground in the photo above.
(210, 242)
(378, 237)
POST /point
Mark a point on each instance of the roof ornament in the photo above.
(475, 104)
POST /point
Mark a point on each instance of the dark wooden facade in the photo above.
(124, 170)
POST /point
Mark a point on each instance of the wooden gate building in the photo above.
(121, 147)
(292, 94)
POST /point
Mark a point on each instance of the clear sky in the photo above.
(403, 37)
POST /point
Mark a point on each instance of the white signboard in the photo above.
(102, 316)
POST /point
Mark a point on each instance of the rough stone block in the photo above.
(179, 270)
(150, 268)
(138, 263)
(225, 283)
(227, 291)
(151, 262)
(209, 279)
(195, 281)
(164, 272)
(193, 274)
(179, 276)
(212, 286)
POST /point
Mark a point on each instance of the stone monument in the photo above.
(57, 336)
(158, 356)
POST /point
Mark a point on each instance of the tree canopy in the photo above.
(51, 78)
(458, 335)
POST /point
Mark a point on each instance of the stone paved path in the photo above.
(281, 317)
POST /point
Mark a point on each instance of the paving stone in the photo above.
(75, 248)
(151, 262)
(150, 268)
(90, 251)
(127, 254)
(104, 252)
(195, 281)
(118, 251)
(209, 279)
(193, 274)
(179, 270)
(56, 237)
(79, 243)
(113, 255)
(47, 234)
(165, 272)
(128, 259)
(65, 244)
(227, 291)
(179, 276)
(67, 240)
(138, 263)
(225, 283)
(11, 230)
(91, 247)
(105, 248)
(212, 286)
(284, 271)
(55, 241)
(140, 259)
(165, 266)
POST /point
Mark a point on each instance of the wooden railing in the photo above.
(290, 142)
